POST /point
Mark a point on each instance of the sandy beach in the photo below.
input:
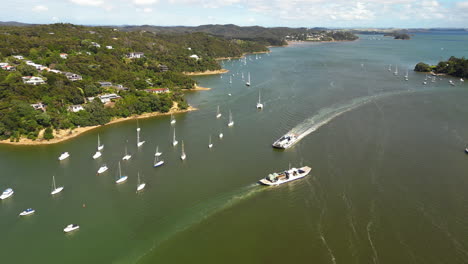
(66, 134)
(206, 72)
(243, 55)
(196, 88)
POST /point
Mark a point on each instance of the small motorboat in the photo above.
(70, 228)
(27, 212)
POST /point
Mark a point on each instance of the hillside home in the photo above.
(33, 80)
(157, 90)
(75, 108)
(73, 76)
(135, 55)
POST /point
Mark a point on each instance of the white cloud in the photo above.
(144, 2)
(147, 10)
(462, 5)
(40, 8)
(87, 2)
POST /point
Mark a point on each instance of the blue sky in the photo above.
(292, 13)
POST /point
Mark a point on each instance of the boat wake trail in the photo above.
(191, 216)
(325, 115)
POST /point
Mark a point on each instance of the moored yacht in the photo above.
(121, 178)
(102, 169)
(285, 176)
(174, 141)
(127, 156)
(64, 156)
(140, 185)
(97, 155)
(55, 189)
(158, 162)
(27, 212)
(70, 228)
(7, 193)
(259, 104)
(285, 141)
(231, 122)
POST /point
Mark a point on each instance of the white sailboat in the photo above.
(157, 153)
(218, 113)
(158, 162)
(210, 145)
(183, 156)
(139, 143)
(396, 70)
(140, 185)
(221, 134)
(242, 75)
(173, 121)
(55, 190)
(174, 141)
(102, 169)
(248, 80)
(231, 122)
(230, 79)
(406, 75)
(99, 146)
(390, 68)
(127, 156)
(121, 178)
(259, 104)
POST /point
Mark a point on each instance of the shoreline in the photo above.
(303, 42)
(243, 55)
(205, 72)
(196, 88)
(66, 134)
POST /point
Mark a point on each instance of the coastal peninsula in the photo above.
(457, 67)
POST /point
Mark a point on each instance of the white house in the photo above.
(73, 76)
(39, 106)
(95, 44)
(33, 80)
(18, 57)
(105, 84)
(135, 55)
(157, 90)
(109, 47)
(106, 98)
(75, 108)
(63, 55)
(194, 56)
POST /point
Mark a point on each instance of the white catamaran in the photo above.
(55, 190)
(121, 178)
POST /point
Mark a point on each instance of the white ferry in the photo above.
(285, 141)
(285, 176)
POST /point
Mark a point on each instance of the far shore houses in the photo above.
(157, 90)
(135, 55)
(33, 80)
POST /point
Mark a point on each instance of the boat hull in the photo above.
(306, 170)
(159, 163)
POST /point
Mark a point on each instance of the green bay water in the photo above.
(388, 181)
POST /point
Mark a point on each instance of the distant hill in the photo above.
(16, 24)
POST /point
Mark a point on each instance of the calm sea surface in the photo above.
(389, 180)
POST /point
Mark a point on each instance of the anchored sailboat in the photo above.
(121, 178)
(173, 121)
(210, 145)
(140, 185)
(127, 156)
(158, 162)
(157, 153)
(139, 143)
(259, 104)
(55, 190)
(218, 113)
(183, 156)
(174, 141)
(248, 80)
(231, 122)
(99, 146)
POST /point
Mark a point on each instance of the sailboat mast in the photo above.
(120, 171)
(53, 183)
